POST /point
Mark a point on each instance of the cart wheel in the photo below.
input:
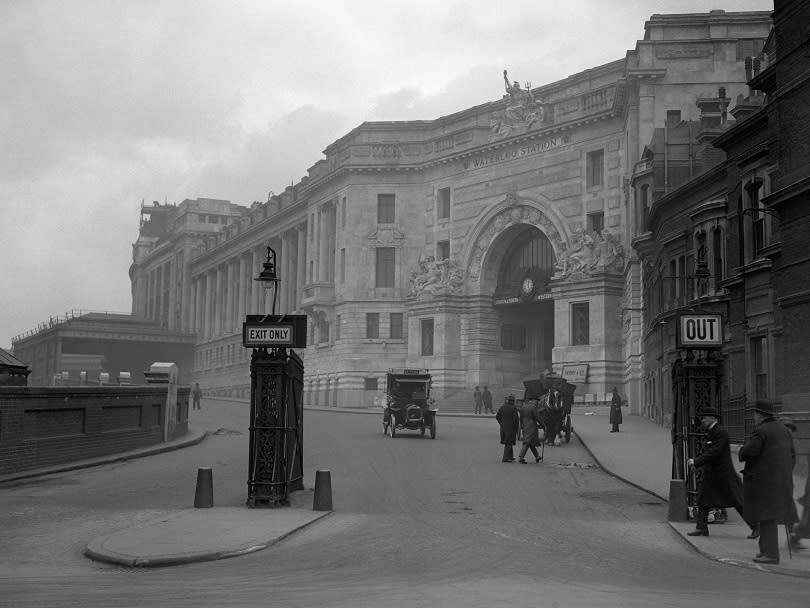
(393, 429)
(433, 428)
(568, 430)
(422, 430)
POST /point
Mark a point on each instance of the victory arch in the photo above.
(535, 297)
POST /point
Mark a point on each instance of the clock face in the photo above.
(527, 285)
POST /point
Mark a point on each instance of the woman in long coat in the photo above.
(769, 457)
(509, 421)
(615, 411)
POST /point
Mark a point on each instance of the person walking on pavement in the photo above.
(486, 398)
(802, 528)
(509, 420)
(719, 485)
(529, 421)
(477, 400)
(769, 457)
(196, 395)
(615, 411)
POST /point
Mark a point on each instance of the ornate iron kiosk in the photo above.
(275, 463)
(696, 386)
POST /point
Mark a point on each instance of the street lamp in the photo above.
(268, 278)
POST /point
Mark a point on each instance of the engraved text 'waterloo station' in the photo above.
(493, 158)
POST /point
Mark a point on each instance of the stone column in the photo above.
(256, 305)
(229, 297)
(300, 265)
(322, 257)
(646, 116)
(281, 267)
(198, 315)
(243, 283)
(210, 287)
(218, 302)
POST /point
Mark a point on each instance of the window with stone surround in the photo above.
(386, 204)
(372, 325)
(343, 213)
(338, 319)
(443, 250)
(426, 333)
(596, 222)
(580, 323)
(385, 267)
(759, 365)
(443, 203)
(749, 47)
(595, 169)
(370, 384)
(395, 327)
(342, 264)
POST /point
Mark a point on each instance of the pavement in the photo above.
(640, 454)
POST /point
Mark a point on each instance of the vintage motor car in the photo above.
(408, 404)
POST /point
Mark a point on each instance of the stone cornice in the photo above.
(787, 193)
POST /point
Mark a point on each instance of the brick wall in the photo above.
(41, 427)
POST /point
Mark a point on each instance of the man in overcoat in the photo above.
(769, 457)
(529, 422)
(719, 484)
(478, 399)
(486, 399)
(615, 411)
(509, 420)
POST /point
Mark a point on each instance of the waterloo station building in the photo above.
(487, 245)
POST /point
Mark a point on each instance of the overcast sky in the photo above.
(106, 104)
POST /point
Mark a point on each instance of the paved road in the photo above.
(416, 523)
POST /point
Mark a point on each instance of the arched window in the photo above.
(531, 253)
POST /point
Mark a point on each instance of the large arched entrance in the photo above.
(519, 268)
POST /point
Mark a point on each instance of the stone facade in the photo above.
(447, 204)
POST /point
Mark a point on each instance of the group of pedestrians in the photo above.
(511, 421)
(764, 497)
(482, 400)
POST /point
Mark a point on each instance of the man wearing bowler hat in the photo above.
(769, 457)
(719, 484)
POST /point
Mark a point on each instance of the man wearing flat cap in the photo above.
(769, 457)
(719, 485)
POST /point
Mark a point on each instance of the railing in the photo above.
(57, 320)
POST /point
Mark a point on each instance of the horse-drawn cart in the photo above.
(553, 397)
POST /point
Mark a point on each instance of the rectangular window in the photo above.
(370, 384)
(673, 118)
(343, 213)
(759, 363)
(580, 323)
(311, 270)
(396, 325)
(595, 169)
(426, 326)
(342, 265)
(385, 268)
(673, 282)
(443, 203)
(385, 208)
(749, 47)
(596, 222)
(443, 250)
(372, 325)
(337, 327)
(717, 257)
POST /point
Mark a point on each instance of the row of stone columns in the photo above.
(221, 297)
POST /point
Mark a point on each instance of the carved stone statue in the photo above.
(436, 277)
(519, 115)
(590, 253)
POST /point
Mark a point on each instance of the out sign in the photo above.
(700, 331)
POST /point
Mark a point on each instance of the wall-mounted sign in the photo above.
(700, 331)
(275, 331)
(575, 373)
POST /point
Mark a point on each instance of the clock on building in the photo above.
(527, 286)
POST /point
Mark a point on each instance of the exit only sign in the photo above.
(700, 331)
(275, 331)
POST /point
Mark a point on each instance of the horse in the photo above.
(551, 410)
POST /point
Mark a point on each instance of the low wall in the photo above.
(45, 426)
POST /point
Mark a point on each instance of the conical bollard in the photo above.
(204, 494)
(323, 491)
